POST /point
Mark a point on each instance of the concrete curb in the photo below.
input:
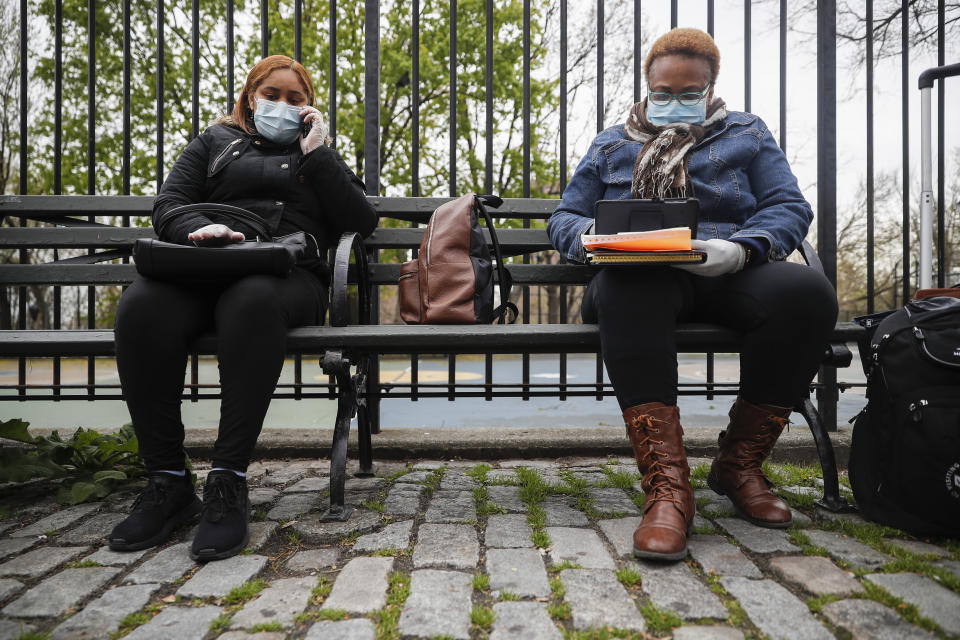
(796, 446)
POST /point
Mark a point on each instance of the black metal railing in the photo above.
(270, 27)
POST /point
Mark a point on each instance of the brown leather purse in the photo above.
(451, 281)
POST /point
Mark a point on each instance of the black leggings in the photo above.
(155, 325)
(785, 310)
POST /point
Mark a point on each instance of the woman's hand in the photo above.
(318, 130)
(723, 257)
(215, 235)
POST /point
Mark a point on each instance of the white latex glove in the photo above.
(215, 234)
(723, 257)
(318, 130)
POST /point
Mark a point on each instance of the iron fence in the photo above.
(826, 139)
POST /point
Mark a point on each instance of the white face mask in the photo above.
(277, 121)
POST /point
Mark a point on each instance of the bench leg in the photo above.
(364, 420)
(832, 500)
(335, 364)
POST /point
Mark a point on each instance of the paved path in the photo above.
(470, 550)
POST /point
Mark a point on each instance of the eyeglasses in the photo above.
(687, 98)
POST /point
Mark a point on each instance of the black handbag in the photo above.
(219, 264)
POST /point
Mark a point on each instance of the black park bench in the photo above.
(350, 345)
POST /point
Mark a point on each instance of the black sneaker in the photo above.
(223, 528)
(167, 502)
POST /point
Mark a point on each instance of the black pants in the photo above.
(786, 312)
(155, 325)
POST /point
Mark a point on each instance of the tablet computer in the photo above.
(618, 216)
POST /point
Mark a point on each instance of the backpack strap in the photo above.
(506, 280)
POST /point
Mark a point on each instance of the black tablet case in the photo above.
(615, 216)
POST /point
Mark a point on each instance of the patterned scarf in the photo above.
(661, 167)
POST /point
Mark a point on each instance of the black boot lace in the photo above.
(220, 496)
(153, 495)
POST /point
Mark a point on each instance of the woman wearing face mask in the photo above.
(257, 158)
(681, 141)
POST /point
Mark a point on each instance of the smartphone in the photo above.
(305, 128)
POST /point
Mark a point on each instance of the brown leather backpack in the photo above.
(451, 281)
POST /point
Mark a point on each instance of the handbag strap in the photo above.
(247, 217)
(506, 281)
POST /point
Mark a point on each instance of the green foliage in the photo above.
(434, 478)
(628, 577)
(327, 614)
(479, 472)
(93, 463)
(540, 539)
(482, 617)
(660, 621)
(322, 590)
(620, 478)
(388, 617)
(560, 566)
(82, 564)
(34, 635)
(246, 591)
(508, 596)
(220, 624)
(481, 581)
(559, 610)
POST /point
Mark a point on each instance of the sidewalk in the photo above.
(501, 548)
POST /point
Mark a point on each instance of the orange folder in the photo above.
(675, 239)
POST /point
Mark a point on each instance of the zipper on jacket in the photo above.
(223, 153)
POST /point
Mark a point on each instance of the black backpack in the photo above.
(905, 454)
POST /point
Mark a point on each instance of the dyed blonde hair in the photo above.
(685, 42)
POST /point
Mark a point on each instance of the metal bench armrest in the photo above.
(350, 244)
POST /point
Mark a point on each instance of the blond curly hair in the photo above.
(685, 42)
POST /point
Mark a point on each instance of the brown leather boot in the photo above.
(657, 439)
(736, 472)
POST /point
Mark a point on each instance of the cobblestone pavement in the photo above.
(458, 549)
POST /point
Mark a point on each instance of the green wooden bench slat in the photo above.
(409, 238)
(72, 237)
(380, 274)
(67, 274)
(388, 207)
(389, 339)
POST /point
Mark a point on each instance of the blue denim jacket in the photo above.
(739, 174)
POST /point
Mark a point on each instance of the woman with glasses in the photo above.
(270, 155)
(681, 141)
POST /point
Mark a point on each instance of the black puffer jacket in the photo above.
(316, 193)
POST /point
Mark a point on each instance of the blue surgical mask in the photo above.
(662, 115)
(277, 121)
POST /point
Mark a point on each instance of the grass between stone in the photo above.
(34, 635)
(619, 478)
(482, 501)
(628, 577)
(603, 634)
(387, 618)
(479, 472)
(557, 608)
(433, 480)
(220, 624)
(331, 614)
(533, 491)
(480, 581)
(245, 592)
(508, 596)
(659, 621)
(482, 617)
(82, 564)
